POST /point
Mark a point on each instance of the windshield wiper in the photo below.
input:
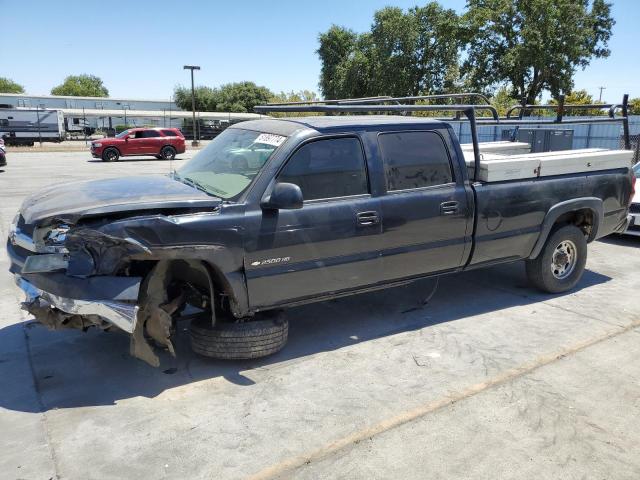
(194, 183)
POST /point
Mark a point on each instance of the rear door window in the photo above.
(415, 159)
(328, 168)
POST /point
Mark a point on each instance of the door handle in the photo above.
(367, 218)
(448, 208)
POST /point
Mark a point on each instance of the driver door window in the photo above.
(326, 169)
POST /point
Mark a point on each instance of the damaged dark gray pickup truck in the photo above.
(279, 212)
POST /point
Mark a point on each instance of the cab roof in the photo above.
(289, 125)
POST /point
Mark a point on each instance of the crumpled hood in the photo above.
(70, 201)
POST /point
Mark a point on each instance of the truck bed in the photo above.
(495, 167)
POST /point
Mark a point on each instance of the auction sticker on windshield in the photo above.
(270, 139)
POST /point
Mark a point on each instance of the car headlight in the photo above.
(14, 224)
(97, 145)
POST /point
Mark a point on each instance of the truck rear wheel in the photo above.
(561, 262)
(238, 341)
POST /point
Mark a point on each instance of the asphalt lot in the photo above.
(489, 380)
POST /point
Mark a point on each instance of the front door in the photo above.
(425, 212)
(331, 243)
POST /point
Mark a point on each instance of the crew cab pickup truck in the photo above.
(280, 212)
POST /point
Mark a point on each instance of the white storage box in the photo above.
(501, 148)
(575, 161)
(507, 168)
(496, 168)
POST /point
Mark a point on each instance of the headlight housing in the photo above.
(96, 145)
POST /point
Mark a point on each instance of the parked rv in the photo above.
(24, 126)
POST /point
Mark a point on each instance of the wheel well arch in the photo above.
(196, 272)
(585, 213)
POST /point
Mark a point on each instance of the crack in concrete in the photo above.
(41, 406)
(294, 463)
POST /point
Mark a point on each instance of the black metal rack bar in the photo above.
(365, 105)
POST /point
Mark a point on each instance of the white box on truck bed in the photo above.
(496, 168)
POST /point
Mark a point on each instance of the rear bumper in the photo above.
(632, 227)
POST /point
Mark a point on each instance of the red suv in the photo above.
(162, 143)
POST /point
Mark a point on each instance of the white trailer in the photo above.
(24, 126)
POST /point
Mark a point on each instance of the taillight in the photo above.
(633, 187)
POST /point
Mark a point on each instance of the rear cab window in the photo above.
(327, 169)
(414, 159)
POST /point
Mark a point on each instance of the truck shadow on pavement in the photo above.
(74, 369)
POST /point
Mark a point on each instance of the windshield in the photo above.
(636, 170)
(123, 134)
(226, 167)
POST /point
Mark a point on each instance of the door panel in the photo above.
(319, 249)
(425, 212)
(422, 231)
(331, 244)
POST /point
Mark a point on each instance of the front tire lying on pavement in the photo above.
(237, 341)
(561, 262)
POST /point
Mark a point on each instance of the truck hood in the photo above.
(71, 201)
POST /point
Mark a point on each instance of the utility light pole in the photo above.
(194, 143)
(601, 89)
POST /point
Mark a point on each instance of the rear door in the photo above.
(331, 243)
(426, 222)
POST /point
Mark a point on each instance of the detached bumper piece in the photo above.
(55, 311)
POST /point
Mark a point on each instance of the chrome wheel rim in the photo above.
(564, 259)
(111, 155)
(166, 153)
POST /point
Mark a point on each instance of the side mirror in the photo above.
(284, 196)
(133, 135)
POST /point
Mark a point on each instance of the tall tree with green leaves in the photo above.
(81, 86)
(241, 97)
(534, 45)
(233, 97)
(9, 86)
(404, 53)
(206, 98)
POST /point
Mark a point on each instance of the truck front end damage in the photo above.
(95, 274)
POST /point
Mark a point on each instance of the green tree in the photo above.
(579, 97)
(206, 98)
(404, 53)
(233, 97)
(300, 96)
(241, 97)
(9, 86)
(534, 45)
(634, 106)
(81, 86)
(503, 99)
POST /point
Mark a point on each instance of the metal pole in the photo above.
(39, 133)
(600, 96)
(625, 121)
(194, 143)
(84, 125)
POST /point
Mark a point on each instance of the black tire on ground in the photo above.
(238, 341)
(110, 155)
(168, 153)
(561, 262)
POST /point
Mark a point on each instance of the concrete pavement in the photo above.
(490, 379)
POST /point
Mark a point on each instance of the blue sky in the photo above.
(138, 48)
